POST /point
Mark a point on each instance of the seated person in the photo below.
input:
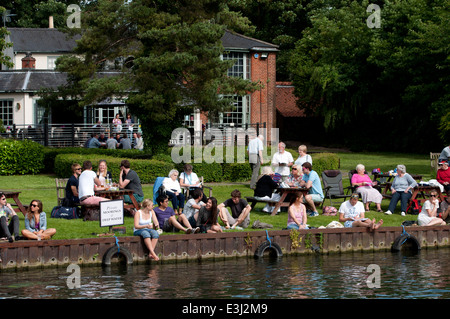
(297, 213)
(129, 179)
(102, 173)
(7, 214)
(168, 221)
(265, 187)
(207, 217)
(87, 181)
(428, 215)
(240, 211)
(401, 190)
(145, 225)
(125, 142)
(444, 209)
(72, 186)
(351, 213)
(364, 183)
(311, 180)
(295, 177)
(173, 190)
(188, 179)
(192, 207)
(443, 176)
(36, 223)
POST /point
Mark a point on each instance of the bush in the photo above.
(325, 161)
(147, 170)
(20, 157)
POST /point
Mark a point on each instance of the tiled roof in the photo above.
(286, 102)
(232, 40)
(41, 40)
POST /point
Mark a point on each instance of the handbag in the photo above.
(64, 212)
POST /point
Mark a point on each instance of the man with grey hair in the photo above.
(282, 160)
(255, 157)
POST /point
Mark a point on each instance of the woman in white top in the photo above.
(427, 216)
(302, 156)
(173, 190)
(145, 225)
(189, 180)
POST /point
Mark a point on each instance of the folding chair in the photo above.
(332, 182)
(158, 189)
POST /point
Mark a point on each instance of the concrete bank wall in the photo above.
(93, 251)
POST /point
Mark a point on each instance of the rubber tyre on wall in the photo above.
(106, 261)
(412, 241)
(274, 247)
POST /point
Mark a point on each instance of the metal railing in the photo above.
(62, 135)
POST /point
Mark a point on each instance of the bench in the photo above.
(254, 201)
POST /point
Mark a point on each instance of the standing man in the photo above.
(138, 141)
(129, 179)
(87, 181)
(282, 160)
(240, 211)
(311, 180)
(255, 158)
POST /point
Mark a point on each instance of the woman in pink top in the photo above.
(364, 183)
(297, 213)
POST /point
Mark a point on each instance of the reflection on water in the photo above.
(422, 275)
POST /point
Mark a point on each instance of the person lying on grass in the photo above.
(351, 213)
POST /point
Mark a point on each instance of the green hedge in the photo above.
(20, 157)
(147, 170)
(160, 165)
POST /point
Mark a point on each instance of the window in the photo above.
(241, 68)
(6, 112)
(239, 113)
(51, 62)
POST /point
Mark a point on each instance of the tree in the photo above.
(394, 80)
(3, 45)
(173, 66)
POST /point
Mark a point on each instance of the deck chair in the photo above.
(157, 189)
(187, 191)
(332, 182)
(61, 189)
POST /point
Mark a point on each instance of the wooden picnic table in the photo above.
(118, 194)
(284, 192)
(15, 196)
(386, 185)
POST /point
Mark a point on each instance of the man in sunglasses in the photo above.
(72, 186)
(7, 214)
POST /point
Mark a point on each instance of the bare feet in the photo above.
(154, 256)
(378, 224)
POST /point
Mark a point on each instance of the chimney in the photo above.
(50, 22)
(28, 62)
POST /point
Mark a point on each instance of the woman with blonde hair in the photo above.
(36, 222)
(146, 225)
(103, 173)
(302, 156)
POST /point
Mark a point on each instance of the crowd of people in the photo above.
(198, 213)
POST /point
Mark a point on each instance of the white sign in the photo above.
(111, 213)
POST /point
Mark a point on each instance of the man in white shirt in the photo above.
(86, 183)
(282, 160)
(255, 158)
(351, 212)
(138, 141)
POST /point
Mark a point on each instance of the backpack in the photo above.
(329, 211)
(64, 212)
(415, 207)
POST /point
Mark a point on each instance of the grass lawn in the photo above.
(43, 187)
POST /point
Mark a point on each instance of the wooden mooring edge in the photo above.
(174, 248)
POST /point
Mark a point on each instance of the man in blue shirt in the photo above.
(311, 180)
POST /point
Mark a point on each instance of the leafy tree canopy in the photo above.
(169, 57)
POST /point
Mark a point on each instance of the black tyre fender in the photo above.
(412, 241)
(106, 261)
(274, 247)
